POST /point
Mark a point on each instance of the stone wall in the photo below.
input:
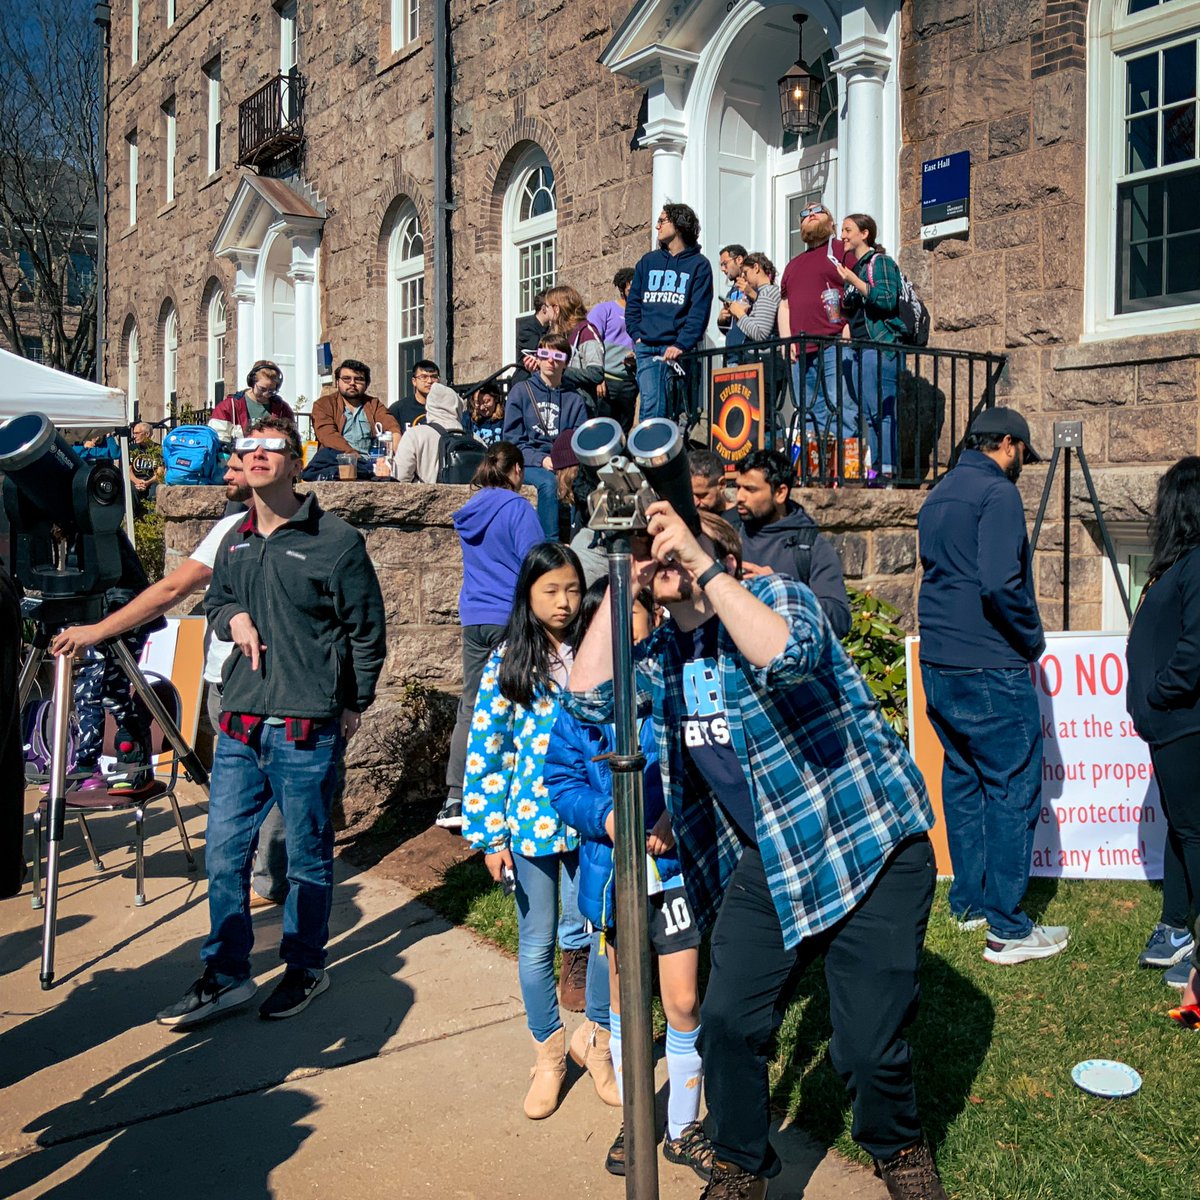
(1006, 80)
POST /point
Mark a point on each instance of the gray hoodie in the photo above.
(417, 458)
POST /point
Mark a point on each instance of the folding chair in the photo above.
(85, 804)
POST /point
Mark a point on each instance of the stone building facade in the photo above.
(572, 122)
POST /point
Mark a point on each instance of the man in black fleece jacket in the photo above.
(293, 589)
(980, 630)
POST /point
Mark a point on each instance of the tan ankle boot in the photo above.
(590, 1049)
(547, 1076)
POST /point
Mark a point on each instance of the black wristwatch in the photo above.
(706, 577)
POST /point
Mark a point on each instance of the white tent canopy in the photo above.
(27, 386)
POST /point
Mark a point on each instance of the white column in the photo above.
(863, 64)
(244, 293)
(666, 180)
(303, 275)
(665, 132)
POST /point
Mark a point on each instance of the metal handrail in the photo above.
(271, 120)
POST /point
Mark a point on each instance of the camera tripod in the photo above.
(51, 615)
(1068, 437)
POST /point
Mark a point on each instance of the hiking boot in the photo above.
(572, 979)
(1166, 946)
(547, 1075)
(293, 994)
(691, 1149)
(206, 999)
(1178, 975)
(614, 1164)
(450, 815)
(728, 1182)
(911, 1174)
(590, 1049)
(1042, 941)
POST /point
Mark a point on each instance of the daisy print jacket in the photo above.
(505, 801)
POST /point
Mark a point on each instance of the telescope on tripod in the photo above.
(634, 472)
(64, 519)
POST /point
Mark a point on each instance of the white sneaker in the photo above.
(1042, 941)
(969, 924)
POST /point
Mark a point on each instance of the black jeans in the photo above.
(478, 643)
(1175, 770)
(872, 963)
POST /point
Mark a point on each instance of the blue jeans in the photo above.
(991, 730)
(821, 369)
(547, 503)
(652, 381)
(538, 893)
(246, 781)
(873, 391)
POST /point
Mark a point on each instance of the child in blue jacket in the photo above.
(581, 793)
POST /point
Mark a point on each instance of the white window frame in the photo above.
(289, 37)
(212, 74)
(132, 358)
(131, 141)
(406, 23)
(406, 291)
(522, 239)
(1130, 538)
(1113, 38)
(169, 148)
(171, 11)
(135, 23)
(170, 341)
(217, 332)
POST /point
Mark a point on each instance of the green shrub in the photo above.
(876, 644)
(148, 538)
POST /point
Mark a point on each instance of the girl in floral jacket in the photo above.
(507, 813)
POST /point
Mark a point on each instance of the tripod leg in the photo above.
(187, 756)
(89, 845)
(29, 670)
(37, 859)
(1041, 512)
(56, 804)
(183, 837)
(139, 820)
(1109, 549)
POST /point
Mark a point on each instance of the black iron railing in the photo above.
(271, 121)
(846, 412)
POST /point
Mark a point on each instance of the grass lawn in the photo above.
(993, 1050)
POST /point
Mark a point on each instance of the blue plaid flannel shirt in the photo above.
(834, 788)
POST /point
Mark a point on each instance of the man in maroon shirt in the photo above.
(803, 309)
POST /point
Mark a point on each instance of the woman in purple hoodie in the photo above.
(496, 527)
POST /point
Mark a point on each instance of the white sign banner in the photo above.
(1101, 817)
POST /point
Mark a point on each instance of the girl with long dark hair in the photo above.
(507, 813)
(1163, 698)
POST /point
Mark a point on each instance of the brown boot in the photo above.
(572, 979)
(547, 1075)
(912, 1174)
(590, 1049)
(728, 1182)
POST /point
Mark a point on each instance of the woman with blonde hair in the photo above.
(585, 371)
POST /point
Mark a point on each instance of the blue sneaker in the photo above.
(1166, 946)
(1178, 975)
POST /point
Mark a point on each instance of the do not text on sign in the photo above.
(1100, 816)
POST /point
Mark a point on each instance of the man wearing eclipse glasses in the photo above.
(295, 592)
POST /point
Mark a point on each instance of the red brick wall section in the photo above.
(1062, 40)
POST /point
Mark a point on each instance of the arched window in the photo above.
(406, 299)
(217, 326)
(530, 240)
(170, 345)
(1144, 241)
(132, 355)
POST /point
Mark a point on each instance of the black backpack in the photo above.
(912, 312)
(801, 545)
(459, 455)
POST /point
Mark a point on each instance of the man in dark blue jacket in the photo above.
(980, 629)
(667, 308)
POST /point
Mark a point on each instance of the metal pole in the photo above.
(102, 17)
(637, 1043)
(56, 804)
(1066, 546)
(442, 347)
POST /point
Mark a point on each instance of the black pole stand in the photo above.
(1068, 438)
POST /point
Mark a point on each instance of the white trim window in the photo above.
(131, 142)
(169, 144)
(406, 298)
(171, 9)
(289, 59)
(1144, 249)
(170, 341)
(212, 76)
(135, 25)
(1131, 541)
(132, 358)
(218, 326)
(406, 22)
(530, 240)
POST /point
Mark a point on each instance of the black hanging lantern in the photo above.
(799, 90)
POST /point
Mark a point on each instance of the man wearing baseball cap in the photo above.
(980, 629)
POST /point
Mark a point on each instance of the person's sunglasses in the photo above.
(247, 445)
(548, 355)
(812, 210)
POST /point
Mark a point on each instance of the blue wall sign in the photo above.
(946, 189)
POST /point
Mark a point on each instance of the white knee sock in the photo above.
(614, 1048)
(686, 1074)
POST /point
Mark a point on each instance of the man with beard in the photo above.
(667, 306)
(980, 630)
(802, 309)
(801, 825)
(778, 535)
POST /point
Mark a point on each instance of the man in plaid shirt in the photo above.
(801, 823)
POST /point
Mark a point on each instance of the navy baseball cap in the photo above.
(1001, 421)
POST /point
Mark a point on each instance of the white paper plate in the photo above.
(1105, 1077)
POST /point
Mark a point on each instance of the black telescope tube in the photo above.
(659, 449)
(42, 464)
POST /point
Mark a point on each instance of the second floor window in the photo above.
(132, 146)
(168, 111)
(406, 18)
(289, 58)
(212, 77)
(135, 21)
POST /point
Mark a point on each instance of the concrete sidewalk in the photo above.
(404, 1080)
